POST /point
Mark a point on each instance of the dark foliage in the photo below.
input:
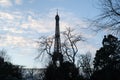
(67, 71)
(107, 73)
(9, 71)
(107, 60)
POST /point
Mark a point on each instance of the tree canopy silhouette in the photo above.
(67, 71)
(8, 71)
(107, 60)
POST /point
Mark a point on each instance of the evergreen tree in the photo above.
(107, 60)
(8, 71)
(67, 71)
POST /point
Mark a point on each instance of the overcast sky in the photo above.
(22, 22)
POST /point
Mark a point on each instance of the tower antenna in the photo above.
(57, 11)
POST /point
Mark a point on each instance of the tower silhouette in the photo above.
(57, 57)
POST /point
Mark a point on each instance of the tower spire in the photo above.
(57, 11)
(57, 55)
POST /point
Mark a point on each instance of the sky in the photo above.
(22, 22)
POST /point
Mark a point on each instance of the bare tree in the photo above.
(33, 73)
(109, 19)
(69, 47)
(85, 64)
(45, 46)
(3, 54)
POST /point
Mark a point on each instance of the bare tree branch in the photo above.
(85, 64)
(68, 45)
(109, 19)
(3, 54)
(45, 46)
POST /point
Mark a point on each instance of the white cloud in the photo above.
(19, 29)
(35, 25)
(34, 21)
(10, 16)
(20, 25)
(18, 2)
(5, 3)
(5, 15)
(8, 3)
(16, 41)
(13, 30)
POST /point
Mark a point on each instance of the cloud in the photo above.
(7, 16)
(12, 30)
(12, 34)
(18, 2)
(25, 20)
(9, 3)
(16, 41)
(5, 3)
(21, 28)
(39, 25)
